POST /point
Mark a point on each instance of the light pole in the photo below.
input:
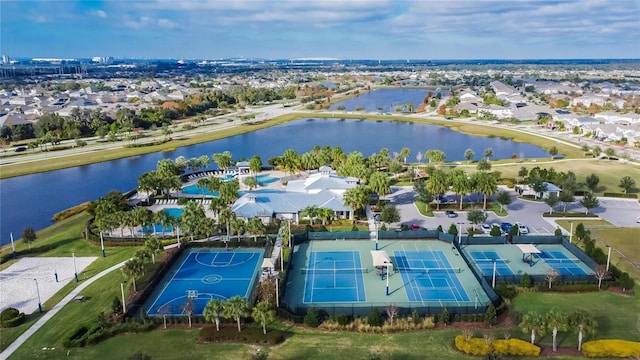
(493, 280)
(277, 291)
(608, 256)
(13, 246)
(377, 234)
(75, 269)
(124, 303)
(571, 233)
(102, 244)
(387, 279)
(38, 292)
(178, 227)
(460, 233)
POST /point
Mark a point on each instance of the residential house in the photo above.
(550, 189)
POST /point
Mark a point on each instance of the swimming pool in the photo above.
(266, 179)
(194, 190)
(175, 212)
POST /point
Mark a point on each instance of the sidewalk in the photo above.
(51, 313)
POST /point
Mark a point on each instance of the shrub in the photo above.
(374, 318)
(64, 214)
(620, 195)
(506, 291)
(250, 335)
(525, 281)
(611, 348)
(473, 346)
(491, 317)
(342, 319)
(444, 317)
(515, 347)
(312, 318)
(11, 317)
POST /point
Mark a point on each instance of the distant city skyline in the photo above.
(385, 29)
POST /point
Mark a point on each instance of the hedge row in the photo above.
(510, 347)
(11, 317)
(250, 335)
(611, 348)
(94, 333)
(620, 195)
(64, 214)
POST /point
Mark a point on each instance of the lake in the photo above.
(31, 200)
(386, 99)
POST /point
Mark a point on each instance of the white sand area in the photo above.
(18, 287)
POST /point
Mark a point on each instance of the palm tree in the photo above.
(142, 216)
(192, 216)
(251, 182)
(213, 311)
(469, 154)
(488, 153)
(582, 323)
(223, 160)
(229, 191)
(262, 314)
(255, 165)
(486, 184)
(225, 216)
(379, 183)
(438, 184)
(435, 156)
(461, 184)
(556, 321)
(356, 198)
(325, 214)
(534, 323)
(132, 269)
(235, 308)
(154, 245)
(404, 154)
(311, 212)
(503, 198)
(202, 184)
(162, 217)
(256, 227)
(238, 226)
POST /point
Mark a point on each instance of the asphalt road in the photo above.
(617, 211)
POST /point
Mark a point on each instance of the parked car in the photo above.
(522, 228)
(20, 149)
(451, 213)
(415, 227)
(506, 227)
(486, 228)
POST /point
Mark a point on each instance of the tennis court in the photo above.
(339, 277)
(562, 263)
(485, 261)
(334, 276)
(200, 275)
(428, 276)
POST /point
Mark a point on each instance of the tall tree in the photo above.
(224, 159)
(390, 214)
(311, 212)
(486, 184)
(469, 155)
(356, 198)
(534, 323)
(589, 201)
(255, 165)
(592, 182)
(236, 308)
(213, 310)
(488, 153)
(325, 214)
(523, 172)
(552, 200)
(255, 227)
(438, 184)
(503, 198)
(251, 182)
(133, 269)
(476, 216)
(404, 154)
(483, 165)
(238, 226)
(29, 235)
(263, 314)
(627, 184)
(379, 183)
(436, 156)
(553, 151)
(582, 323)
(460, 184)
(556, 321)
(191, 217)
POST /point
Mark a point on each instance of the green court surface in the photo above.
(338, 276)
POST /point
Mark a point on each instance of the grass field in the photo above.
(61, 239)
(627, 241)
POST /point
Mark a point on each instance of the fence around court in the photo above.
(404, 309)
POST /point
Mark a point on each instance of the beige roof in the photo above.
(528, 248)
(380, 258)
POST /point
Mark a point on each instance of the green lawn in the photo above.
(618, 316)
(626, 241)
(61, 239)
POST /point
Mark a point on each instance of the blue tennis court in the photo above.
(201, 275)
(562, 263)
(485, 260)
(334, 276)
(428, 276)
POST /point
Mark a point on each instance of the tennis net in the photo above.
(562, 261)
(430, 270)
(490, 260)
(336, 271)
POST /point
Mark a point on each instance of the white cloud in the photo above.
(100, 14)
(167, 24)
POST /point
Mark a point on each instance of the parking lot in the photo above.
(620, 212)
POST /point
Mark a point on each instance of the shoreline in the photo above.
(92, 156)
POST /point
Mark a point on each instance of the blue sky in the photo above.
(391, 29)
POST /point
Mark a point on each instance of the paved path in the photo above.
(51, 313)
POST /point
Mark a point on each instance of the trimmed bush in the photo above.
(515, 347)
(510, 347)
(473, 346)
(611, 348)
(11, 317)
(620, 195)
(64, 214)
(312, 318)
